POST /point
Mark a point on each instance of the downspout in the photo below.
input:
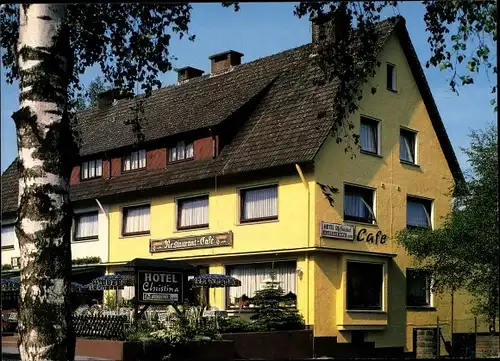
(214, 150)
(306, 185)
(107, 228)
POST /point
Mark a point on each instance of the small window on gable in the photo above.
(391, 77)
(358, 204)
(181, 151)
(91, 169)
(408, 146)
(134, 160)
(368, 135)
(418, 213)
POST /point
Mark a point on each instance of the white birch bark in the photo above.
(44, 213)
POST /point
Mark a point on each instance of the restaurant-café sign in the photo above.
(159, 287)
(337, 231)
(191, 242)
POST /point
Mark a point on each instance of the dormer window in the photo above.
(181, 151)
(134, 160)
(91, 169)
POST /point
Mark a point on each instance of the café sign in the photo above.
(191, 242)
(338, 231)
(159, 287)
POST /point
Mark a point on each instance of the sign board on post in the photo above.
(338, 231)
(159, 287)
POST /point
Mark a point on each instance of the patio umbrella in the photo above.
(111, 282)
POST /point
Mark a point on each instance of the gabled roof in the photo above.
(281, 128)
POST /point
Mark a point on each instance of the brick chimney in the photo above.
(222, 62)
(328, 27)
(108, 97)
(188, 72)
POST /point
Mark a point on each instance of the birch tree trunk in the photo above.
(44, 212)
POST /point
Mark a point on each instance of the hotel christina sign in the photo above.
(159, 287)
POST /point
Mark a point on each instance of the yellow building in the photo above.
(239, 175)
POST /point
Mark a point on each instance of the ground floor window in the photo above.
(418, 288)
(253, 278)
(364, 285)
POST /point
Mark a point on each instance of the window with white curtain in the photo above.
(86, 226)
(134, 160)
(418, 288)
(136, 220)
(181, 151)
(418, 213)
(9, 238)
(358, 204)
(407, 146)
(259, 203)
(253, 277)
(192, 212)
(91, 169)
(368, 135)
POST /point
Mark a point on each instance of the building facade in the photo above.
(239, 175)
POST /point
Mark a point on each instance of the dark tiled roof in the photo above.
(283, 128)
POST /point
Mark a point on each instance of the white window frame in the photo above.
(75, 224)
(129, 157)
(383, 287)
(415, 145)
(371, 208)
(377, 123)
(177, 212)
(431, 294)
(122, 218)
(87, 164)
(394, 86)
(180, 145)
(242, 190)
(12, 246)
(421, 199)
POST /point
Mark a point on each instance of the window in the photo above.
(407, 146)
(136, 220)
(9, 238)
(86, 226)
(391, 77)
(181, 151)
(358, 204)
(192, 212)
(253, 277)
(418, 288)
(368, 135)
(259, 204)
(134, 160)
(418, 213)
(364, 286)
(91, 169)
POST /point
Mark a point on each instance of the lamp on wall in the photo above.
(300, 272)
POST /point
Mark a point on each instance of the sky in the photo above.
(262, 29)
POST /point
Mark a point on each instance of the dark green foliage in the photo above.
(464, 252)
(86, 260)
(272, 313)
(238, 324)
